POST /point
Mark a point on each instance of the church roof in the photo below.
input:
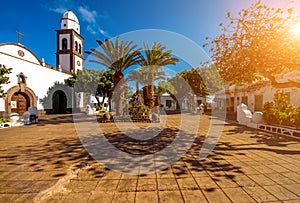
(19, 51)
(71, 16)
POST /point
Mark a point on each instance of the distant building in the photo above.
(35, 83)
(256, 94)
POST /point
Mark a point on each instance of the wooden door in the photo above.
(19, 103)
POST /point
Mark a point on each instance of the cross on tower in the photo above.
(19, 36)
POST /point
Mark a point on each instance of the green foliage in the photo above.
(143, 109)
(268, 113)
(3, 120)
(116, 56)
(94, 82)
(280, 110)
(106, 85)
(256, 44)
(194, 79)
(3, 78)
(97, 108)
(295, 117)
(139, 109)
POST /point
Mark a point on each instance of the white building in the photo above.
(35, 83)
(256, 94)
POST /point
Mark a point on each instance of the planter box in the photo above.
(283, 130)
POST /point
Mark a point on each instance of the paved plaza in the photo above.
(47, 163)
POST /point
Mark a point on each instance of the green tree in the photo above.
(105, 87)
(280, 110)
(257, 44)
(94, 82)
(181, 87)
(3, 78)
(153, 59)
(116, 56)
(137, 76)
(194, 79)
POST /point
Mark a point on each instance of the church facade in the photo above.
(32, 82)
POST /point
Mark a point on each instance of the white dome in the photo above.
(71, 16)
(70, 21)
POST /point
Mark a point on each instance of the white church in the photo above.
(35, 83)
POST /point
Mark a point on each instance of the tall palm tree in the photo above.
(154, 59)
(117, 57)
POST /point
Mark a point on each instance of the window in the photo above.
(76, 46)
(245, 100)
(21, 78)
(79, 48)
(168, 103)
(258, 103)
(64, 44)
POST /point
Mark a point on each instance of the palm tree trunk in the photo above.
(157, 104)
(151, 90)
(119, 86)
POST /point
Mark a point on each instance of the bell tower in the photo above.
(69, 51)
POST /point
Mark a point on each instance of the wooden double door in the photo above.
(19, 103)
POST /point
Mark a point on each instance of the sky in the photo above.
(192, 19)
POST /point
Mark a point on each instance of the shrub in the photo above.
(3, 120)
(280, 111)
(97, 108)
(268, 114)
(143, 109)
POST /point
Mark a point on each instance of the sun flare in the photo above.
(296, 30)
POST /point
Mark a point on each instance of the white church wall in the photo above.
(78, 66)
(39, 78)
(2, 103)
(64, 61)
(17, 51)
(76, 39)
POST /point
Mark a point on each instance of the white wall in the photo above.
(64, 60)
(39, 78)
(78, 67)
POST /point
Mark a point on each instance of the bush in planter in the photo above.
(280, 111)
(3, 120)
(97, 108)
(295, 118)
(143, 109)
(268, 113)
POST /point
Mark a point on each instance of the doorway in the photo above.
(59, 101)
(19, 103)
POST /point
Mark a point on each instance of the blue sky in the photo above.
(38, 20)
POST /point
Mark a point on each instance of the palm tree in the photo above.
(153, 60)
(137, 76)
(117, 57)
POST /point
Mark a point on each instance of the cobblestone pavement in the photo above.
(47, 163)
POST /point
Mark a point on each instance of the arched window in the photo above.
(64, 44)
(76, 46)
(80, 48)
(21, 78)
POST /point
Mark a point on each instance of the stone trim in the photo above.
(29, 93)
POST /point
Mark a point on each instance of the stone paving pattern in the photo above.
(47, 163)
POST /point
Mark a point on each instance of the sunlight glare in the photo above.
(296, 30)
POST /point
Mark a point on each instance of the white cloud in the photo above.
(89, 16)
(58, 10)
(104, 33)
(91, 30)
